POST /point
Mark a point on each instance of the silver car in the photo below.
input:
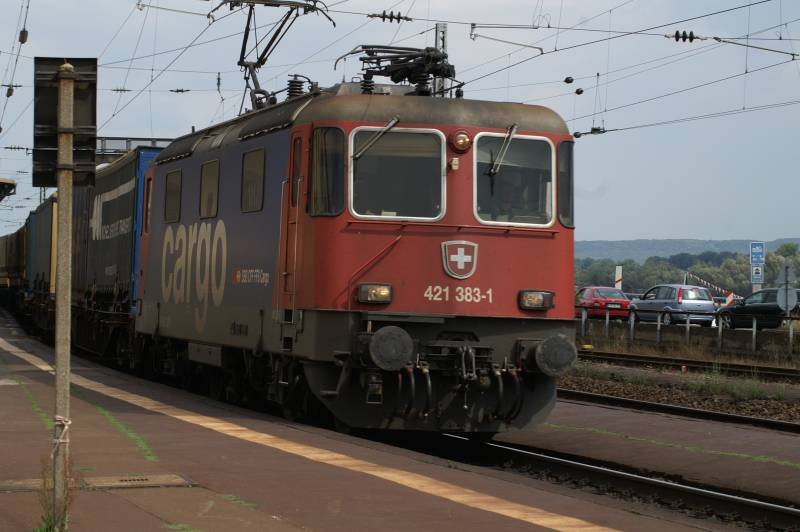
(674, 302)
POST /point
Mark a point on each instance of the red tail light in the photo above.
(680, 295)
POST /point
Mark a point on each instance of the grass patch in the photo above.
(180, 527)
(737, 389)
(45, 418)
(239, 501)
(705, 384)
(122, 428)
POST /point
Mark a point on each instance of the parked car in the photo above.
(673, 302)
(762, 304)
(598, 299)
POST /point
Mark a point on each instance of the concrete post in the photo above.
(688, 324)
(66, 88)
(584, 316)
(632, 324)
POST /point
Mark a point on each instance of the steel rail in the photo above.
(683, 411)
(747, 506)
(745, 370)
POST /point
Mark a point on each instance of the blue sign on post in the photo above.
(757, 273)
(757, 252)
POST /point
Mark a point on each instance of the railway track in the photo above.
(662, 408)
(699, 499)
(740, 370)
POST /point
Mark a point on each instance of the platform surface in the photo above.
(234, 469)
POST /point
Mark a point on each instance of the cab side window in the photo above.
(209, 189)
(172, 197)
(326, 187)
(252, 181)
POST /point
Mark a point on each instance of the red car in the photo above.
(598, 299)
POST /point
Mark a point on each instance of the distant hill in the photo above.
(640, 250)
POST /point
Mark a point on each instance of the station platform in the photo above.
(151, 457)
(749, 460)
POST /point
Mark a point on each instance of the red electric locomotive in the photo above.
(401, 258)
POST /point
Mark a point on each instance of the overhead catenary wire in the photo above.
(18, 44)
(706, 116)
(687, 53)
(135, 49)
(187, 47)
(119, 29)
(686, 89)
(587, 43)
(330, 44)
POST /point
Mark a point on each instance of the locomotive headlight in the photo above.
(460, 141)
(535, 300)
(375, 293)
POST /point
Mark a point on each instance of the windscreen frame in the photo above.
(553, 179)
(351, 140)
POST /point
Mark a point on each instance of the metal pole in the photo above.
(441, 44)
(791, 336)
(608, 319)
(755, 329)
(688, 324)
(632, 320)
(66, 87)
(584, 315)
(658, 328)
(719, 332)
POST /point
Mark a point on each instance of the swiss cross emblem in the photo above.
(460, 258)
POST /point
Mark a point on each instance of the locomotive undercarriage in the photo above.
(484, 380)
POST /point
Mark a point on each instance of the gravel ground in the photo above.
(656, 389)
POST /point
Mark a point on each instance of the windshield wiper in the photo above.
(497, 163)
(376, 137)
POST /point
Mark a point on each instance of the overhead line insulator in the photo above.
(391, 17)
(683, 36)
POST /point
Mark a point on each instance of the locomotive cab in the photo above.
(439, 233)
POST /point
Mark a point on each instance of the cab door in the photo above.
(291, 244)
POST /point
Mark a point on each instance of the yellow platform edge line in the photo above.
(414, 481)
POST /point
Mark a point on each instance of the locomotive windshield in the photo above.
(400, 176)
(522, 189)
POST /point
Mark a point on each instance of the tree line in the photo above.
(725, 269)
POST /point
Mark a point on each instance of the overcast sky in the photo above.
(728, 177)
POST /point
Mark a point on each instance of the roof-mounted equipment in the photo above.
(400, 64)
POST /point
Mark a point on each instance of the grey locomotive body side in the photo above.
(208, 280)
